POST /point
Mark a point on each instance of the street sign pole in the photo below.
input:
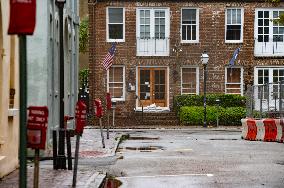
(23, 111)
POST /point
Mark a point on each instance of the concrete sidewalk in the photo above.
(91, 154)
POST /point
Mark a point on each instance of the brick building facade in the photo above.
(159, 46)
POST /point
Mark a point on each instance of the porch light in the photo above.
(204, 58)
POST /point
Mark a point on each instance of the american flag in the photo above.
(235, 55)
(109, 57)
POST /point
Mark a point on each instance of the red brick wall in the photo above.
(211, 39)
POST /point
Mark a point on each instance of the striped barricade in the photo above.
(244, 128)
(252, 130)
(270, 130)
(260, 130)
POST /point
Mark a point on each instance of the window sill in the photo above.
(233, 42)
(189, 42)
(12, 112)
(115, 40)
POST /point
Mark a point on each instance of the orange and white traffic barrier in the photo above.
(252, 129)
(280, 130)
(260, 130)
(270, 130)
(244, 128)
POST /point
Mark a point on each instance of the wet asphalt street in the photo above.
(197, 158)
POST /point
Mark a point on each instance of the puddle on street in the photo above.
(142, 138)
(142, 149)
(223, 139)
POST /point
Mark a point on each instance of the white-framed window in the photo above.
(152, 31)
(269, 36)
(234, 25)
(234, 80)
(190, 80)
(271, 75)
(189, 25)
(115, 22)
(116, 82)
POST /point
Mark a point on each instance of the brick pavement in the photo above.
(90, 150)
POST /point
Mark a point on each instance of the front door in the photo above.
(152, 86)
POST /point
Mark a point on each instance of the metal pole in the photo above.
(107, 124)
(69, 154)
(261, 96)
(113, 114)
(280, 98)
(54, 144)
(204, 90)
(102, 135)
(23, 112)
(76, 160)
(36, 168)
(61, 146)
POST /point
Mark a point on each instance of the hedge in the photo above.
(226, 100)
(193, 115)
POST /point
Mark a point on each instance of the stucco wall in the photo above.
(9, 125)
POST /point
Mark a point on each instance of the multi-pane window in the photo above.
(278, 29)
(189, 25)
(234, 80)
(269, 35)
(152, 31)
(234, 25)
(145, 24)
(278, 76)
(160, 24)
(272, 76)
(115, 24)
(263, 26)
(116, 82)
(189, 80)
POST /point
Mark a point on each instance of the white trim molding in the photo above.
(107, 25)
(196, 80)
(122, 98)
(190, 24)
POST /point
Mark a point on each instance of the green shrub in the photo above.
(193, 115)
(226, 100)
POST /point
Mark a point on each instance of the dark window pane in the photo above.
(260, 14)
(233, 32)
(183, 32)
(188, 33)
(260, 22)
(188, 15)
(115, 15)
(260, 30)
(260, 80)
(115, 31)
(266, 14)
(266, 30)
(266, 22)
(266, 38)
(260, 38)
(193, 32)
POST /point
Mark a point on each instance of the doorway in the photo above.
(152, 86)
